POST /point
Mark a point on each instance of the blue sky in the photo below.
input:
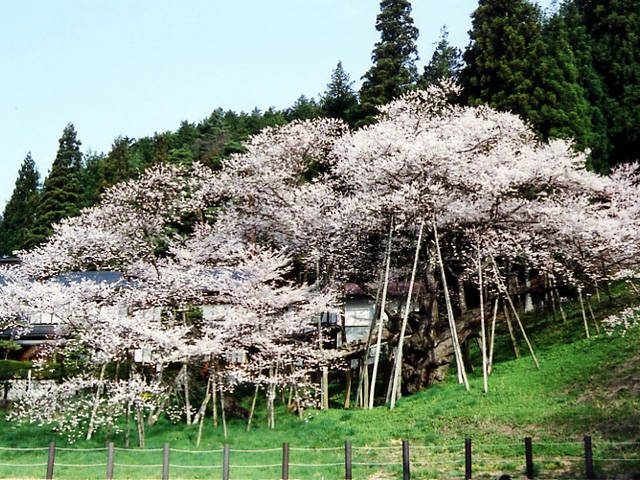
(136, 67)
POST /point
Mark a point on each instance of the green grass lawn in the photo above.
(583, 387)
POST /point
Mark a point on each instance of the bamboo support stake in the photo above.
(556, 297)
(222, 412)
(405, 318)
(515, 314)
(96, 401)
(524, 333)
(512, 336)
(462, 375)
(584, 313)
(202, 411)
(593, 317)
(483, 330)
(214, 405)
(360, 397)
(253, 407)
(376, 360)
(493, 334)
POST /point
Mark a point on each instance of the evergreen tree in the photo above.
(564, 110)
(502, 63)
(93, 178)
(62, 193)
(303, 109)
(590, 81)
(606, 36)
(394, 56)
(118, 162)
(339, 98)
(521, 63)
(17, 218)
(446, 61)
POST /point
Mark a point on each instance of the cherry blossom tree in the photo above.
(441, 194)
(154, 231)
(478, 177)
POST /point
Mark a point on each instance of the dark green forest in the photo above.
(571, 73)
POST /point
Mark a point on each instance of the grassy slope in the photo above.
(584, 387)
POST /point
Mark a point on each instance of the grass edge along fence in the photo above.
(398, 459)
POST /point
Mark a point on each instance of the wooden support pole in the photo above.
(348, 475)
(493, 334)
(165, 462)
(285, 461)
(110, 459)
(225, 462)
(462, 375)
(397, 374)
(325, 387)
(588, 458)
(483, 329)
(584, 313)
(406, 462)
(528, 453)
(515, 312)
(467, 459)
(51, 460)
(385, 287)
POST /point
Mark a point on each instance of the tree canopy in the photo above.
(269, 241)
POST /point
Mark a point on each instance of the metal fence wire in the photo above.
(506, 461)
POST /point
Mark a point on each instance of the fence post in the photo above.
(51, 460)
(347, 461)
(165, 462)
(467, 459)
(588, 457)
(406, 463)
(285, 461)
(528, 453)
(225, 462)
(110, 455)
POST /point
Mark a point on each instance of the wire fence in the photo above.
(519, 460)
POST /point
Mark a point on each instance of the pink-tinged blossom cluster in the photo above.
(319, 197)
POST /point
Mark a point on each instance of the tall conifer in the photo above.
(394, 70)
(446, 61)
(62, 193)
(608, 33)
(339, 98)
(502, 63)
(17, 218)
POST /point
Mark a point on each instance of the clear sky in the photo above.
(136, 67)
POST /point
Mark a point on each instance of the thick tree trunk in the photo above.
(429, 351)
